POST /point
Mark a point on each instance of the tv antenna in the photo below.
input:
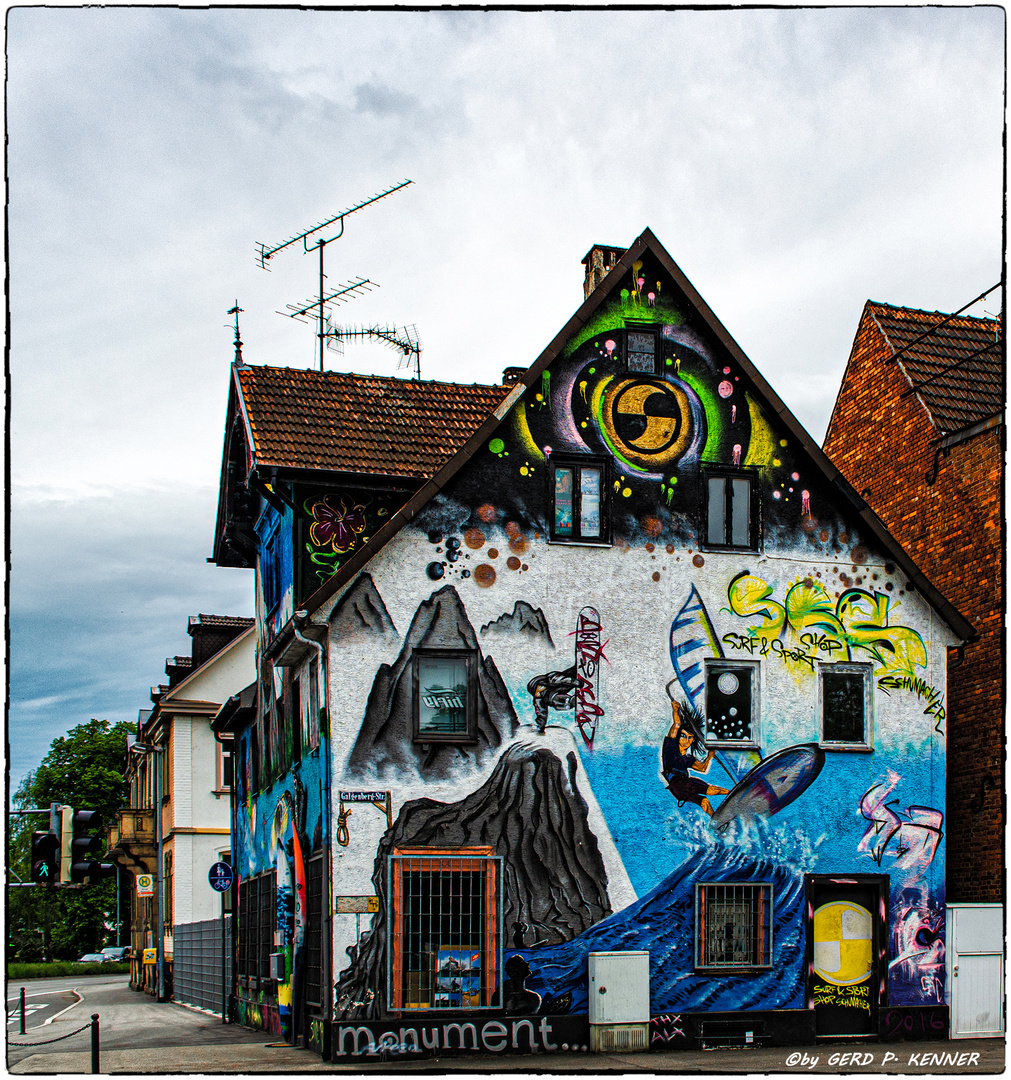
(404, 339)
(265, 253)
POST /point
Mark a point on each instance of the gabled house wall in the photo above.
(579, 649)
(508, 639)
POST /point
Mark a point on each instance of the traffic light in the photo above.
(45, 857)
(82, 843)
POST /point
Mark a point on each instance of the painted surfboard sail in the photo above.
(772, 784)
(692, 639)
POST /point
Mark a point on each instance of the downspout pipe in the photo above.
(301, 619)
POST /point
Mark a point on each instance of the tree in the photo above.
(83, 769)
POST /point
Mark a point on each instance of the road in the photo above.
(128, 1019)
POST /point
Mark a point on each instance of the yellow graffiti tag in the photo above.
(857, 622)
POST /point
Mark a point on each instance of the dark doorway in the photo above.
(847, 933)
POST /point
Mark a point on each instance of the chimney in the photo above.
(211, 633)
(598, 261)
(512, 375)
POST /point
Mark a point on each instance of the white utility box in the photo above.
(619, 1000)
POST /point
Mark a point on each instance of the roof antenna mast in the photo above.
(265, 253)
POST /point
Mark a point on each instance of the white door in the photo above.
(975, 962)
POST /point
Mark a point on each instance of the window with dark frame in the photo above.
(445, 695)
(270, 570)
(444, 940)
(641, 350)
(845, 691)
(732, 703)
(733, 925)
(730, 513)
(579, 500)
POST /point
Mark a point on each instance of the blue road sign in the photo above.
(220, 877)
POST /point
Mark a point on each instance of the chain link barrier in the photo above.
(45, 1042)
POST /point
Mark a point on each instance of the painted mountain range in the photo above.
(386, 743)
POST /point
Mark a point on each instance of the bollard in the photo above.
(95, 1066)
(22, 1010)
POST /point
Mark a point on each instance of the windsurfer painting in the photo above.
(678, 755)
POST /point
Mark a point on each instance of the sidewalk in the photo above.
(969, 1056)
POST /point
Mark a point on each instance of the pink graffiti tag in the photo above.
(589, 653)
(910, 837)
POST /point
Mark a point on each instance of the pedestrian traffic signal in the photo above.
(45, 857)
(83, 844)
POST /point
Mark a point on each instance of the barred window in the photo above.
(444, 929)
(733, 923)
(314, 932)
(268, 909)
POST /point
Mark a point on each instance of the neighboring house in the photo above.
(313, 462)
(189, 772)
(918, 429)
(609, 659)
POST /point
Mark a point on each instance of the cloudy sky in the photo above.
(794, 163)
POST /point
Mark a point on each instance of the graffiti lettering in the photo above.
(847, 997)
(856, 622)
(915, 1022)
(665, 1030)
(922, 689)
(769, 646)
(910, 837)
(589, 653)
(494, 1036)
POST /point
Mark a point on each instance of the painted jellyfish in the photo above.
(725, 388)
(805, 503)
(609, 345)
(582, 389)
(737, 453)
(651, 297)
(733, 414)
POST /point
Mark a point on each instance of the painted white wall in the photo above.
(636, 614)
(197, 801)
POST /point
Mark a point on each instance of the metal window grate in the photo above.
(266, 938)
(314, 932)
(733, 925)
(445, 932)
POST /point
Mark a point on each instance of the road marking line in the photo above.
(80, 998)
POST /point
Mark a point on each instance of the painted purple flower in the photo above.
(336, 528)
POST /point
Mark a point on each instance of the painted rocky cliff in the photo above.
(531, 813)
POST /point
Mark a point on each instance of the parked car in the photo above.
(116, 953)
(93, 958)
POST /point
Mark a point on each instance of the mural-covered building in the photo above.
(622, 663)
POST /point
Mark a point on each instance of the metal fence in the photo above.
(196, 962)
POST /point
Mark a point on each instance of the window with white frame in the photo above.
(845, 703)
(733, 922)
(732, 705)
(225, 766)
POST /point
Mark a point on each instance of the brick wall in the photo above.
(952, 529)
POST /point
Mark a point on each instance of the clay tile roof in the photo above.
(359, 423)
(963, 359)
